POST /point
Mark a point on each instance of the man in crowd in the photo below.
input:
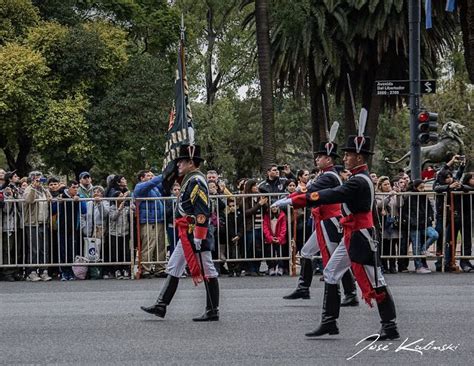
(36, 218)
(274, 183)
(195, 242)
(359, 249)
(152, 214)
(55, 189)
(70, 210)
(85, 185)
(212, 176)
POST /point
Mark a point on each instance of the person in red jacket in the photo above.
(275, 235)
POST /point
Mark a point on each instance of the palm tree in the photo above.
(466, 10)
(323, 41)
(310, 40)
(266, 81)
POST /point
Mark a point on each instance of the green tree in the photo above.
(264, 54)
(220, 51)
(62, 138)
(24, 92)
(133, 115)
(16, 16)
(466, 13)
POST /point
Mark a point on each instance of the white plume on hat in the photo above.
(360, 139)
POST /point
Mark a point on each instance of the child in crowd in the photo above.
(274, 232)
(231, 236)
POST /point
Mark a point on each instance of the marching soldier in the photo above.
(359, 251)
(195, 242)
(328, 232)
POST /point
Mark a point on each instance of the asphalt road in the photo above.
(99, 322)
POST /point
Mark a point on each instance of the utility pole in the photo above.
(414, 21)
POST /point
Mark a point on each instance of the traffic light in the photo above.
(427, 127)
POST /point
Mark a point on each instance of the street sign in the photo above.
(402, 87)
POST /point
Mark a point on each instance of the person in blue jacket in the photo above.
(151, 216)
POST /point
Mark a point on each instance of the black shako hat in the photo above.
(358, 144)
(189, 152)
(327, 148)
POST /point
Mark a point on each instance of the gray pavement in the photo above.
(99, 322)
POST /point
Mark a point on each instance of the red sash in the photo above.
(356, 222)
(182, 224)
(320, 214)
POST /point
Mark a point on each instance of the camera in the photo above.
(43, 180)
(462, 158)
(280, 167)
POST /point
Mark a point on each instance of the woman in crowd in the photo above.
(302, 177)
(119, 230)
(387, 223)
(420, 219)
(216, 223)
(231, 236)
(290, 186)
(253, 208)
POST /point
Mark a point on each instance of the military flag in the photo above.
(180, 127)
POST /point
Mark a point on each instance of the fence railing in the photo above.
(139, 234)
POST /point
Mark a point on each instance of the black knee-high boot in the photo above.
(212, 303)
(350, 292)
(304, 281)
(164, 298)
(331, 305)
(388, 316)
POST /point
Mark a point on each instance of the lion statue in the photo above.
(449, 144)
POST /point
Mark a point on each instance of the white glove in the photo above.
(197, 243)
(282, 202)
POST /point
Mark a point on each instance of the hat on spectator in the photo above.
(8, 175)
(189, 152)
(35, 173)
(84, 175)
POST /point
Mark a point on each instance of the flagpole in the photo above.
(414, 20)
(183, 69)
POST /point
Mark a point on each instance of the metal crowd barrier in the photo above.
(114, 232)
(460, 227)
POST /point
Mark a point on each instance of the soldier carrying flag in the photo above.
(182, 162)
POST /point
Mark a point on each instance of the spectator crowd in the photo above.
(50, 227)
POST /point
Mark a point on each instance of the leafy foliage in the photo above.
(16, 16)
(133, 115)
(63, 136)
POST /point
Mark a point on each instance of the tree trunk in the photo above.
(20, 162)
(349, 122)
(314, 95)
(374, 103)
(466, 11)
(211, 88)
(266, 85)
